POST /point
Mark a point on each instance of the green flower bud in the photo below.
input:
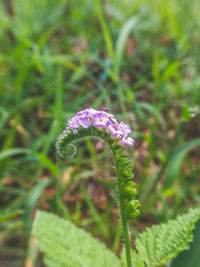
(132, 205)
(129, 190)
(133, 215)
(126, 174)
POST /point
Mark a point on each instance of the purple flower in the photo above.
(128, 141)
(113, 122)
(80, 113)
(84, 121)
(73, 123)
(125, 128)
(91, 112)
(112, 129)
(67, 131)
(100, 120)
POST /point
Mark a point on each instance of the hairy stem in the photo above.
(122, 212)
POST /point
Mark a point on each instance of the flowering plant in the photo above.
(90, 122)
(65, 245)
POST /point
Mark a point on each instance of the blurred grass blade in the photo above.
(59, 100)
(121, 41)
(104, 26)
(48, 163)
(171, 70)
(32, 253)
(63, 60)
(176, 161)
(154, 111)
(33, 196)
(13, 151)
(9, 216)
(50, 137)
(185, 148)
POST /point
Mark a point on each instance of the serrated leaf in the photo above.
(160, 243)
(191, 257)
(65, 245)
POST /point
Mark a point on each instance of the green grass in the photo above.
(138, 58)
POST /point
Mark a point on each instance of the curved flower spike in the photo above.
(91, 122)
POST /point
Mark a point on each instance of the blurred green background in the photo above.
(140, 59)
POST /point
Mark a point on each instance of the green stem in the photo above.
(122, 213)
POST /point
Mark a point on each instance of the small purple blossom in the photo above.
(84, 121)
(91, 112)
(73, 123)
(100, 120)
(128, 141)
(75, 131)
(114, 132)
(81, 113)
(113, 122)
(125, 128)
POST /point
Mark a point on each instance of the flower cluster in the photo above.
(101, 120)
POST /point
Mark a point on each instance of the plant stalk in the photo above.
(122, 213)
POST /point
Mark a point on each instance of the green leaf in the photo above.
(191, 257)
(64, 245)
(160, 243)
